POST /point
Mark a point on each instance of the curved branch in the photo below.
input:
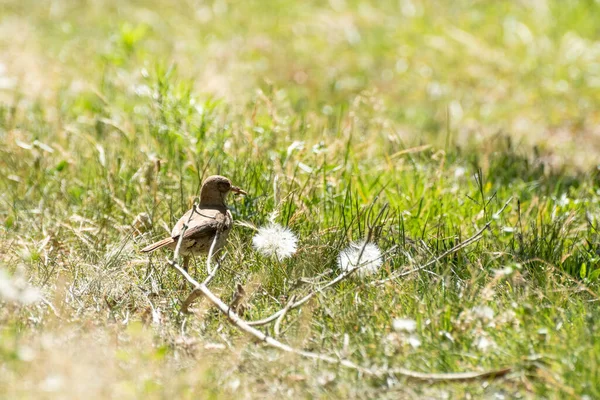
(379, 372)
(309, 296)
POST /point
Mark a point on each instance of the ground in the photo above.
(437, 114)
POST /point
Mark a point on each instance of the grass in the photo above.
(112, 114)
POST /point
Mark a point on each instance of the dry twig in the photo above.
(378, 372)
(282, 316)
(310, 295)
(185, 305)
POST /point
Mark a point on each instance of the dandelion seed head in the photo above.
(366, 256)
(275, 240)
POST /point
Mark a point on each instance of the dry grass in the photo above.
(441, 112)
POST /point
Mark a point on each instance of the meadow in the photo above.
(413, 124)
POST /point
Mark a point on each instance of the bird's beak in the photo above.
(237, 190)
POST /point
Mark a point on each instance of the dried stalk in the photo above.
(309, 296)
(282, 316)
(182, 232)
(379, 372)
(478, 235)
(210, 254)
(185, 305)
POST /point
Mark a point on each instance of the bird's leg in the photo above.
(195, 265)
(186, 263)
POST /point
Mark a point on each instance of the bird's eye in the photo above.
(224, 186)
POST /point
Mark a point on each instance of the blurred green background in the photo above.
(466, 70)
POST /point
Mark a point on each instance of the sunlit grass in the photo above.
(111, 114)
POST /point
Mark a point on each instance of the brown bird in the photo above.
(209, 217)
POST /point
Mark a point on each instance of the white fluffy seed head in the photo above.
(366, 256)
(275, 240)
(15, 289)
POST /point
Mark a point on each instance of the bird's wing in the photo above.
(204, 223)
(200, 217)
(207, 228)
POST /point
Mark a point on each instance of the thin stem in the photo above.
(185, 305)
(182, 232)
(282, 316)
(210, 253)
(378, 372)
(309, 296)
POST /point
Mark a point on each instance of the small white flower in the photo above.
(296, 145)
(460, 172)
(484, 313)
(508, 317)
(52, 383)
(275, 240)
(404, 324)
(366, 256)
(413, 341)
(447, 335)
(17, 290)
(498, 273)
(484, 344)
(563, 201)
(26, 353)
(142, 90)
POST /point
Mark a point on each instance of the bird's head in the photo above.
(215, 189)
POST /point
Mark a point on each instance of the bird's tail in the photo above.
(158, 245)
